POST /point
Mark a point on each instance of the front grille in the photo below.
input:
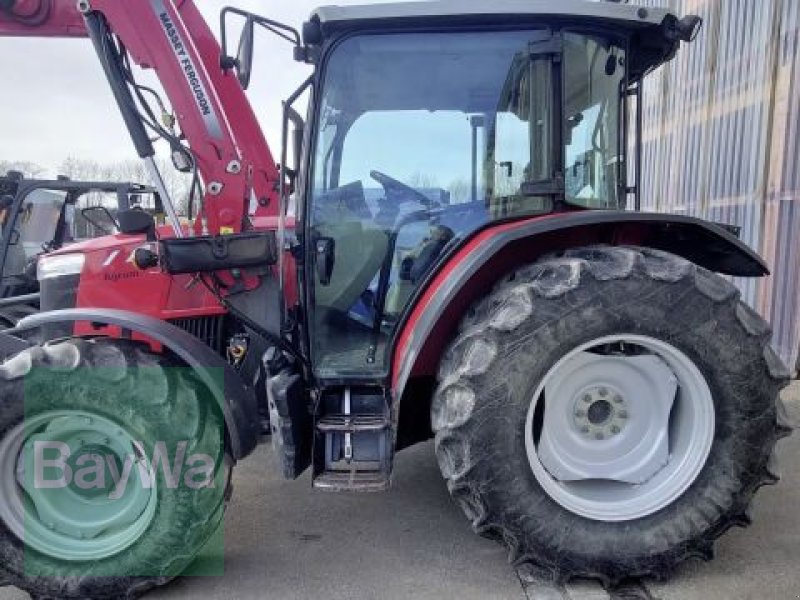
(208, 329)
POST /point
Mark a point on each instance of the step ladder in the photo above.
(354, 442)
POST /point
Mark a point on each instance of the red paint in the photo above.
(515, 254)
(109, 278)
(444, 274)
(239, 138)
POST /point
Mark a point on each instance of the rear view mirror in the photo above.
(243, 62)
(244, 56)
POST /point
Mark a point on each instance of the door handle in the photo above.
(325, 259)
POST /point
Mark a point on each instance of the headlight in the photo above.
(59, 265)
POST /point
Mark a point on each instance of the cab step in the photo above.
(340, 481)
(353, 423)
(353, 441)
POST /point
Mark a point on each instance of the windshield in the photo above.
(424, 138)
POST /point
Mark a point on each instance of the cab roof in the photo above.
(613, 11)
(651, 29)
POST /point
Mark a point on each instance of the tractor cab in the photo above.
(433, 121)
(41, 216)
(428, 124)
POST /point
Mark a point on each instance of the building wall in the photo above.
(722, 141)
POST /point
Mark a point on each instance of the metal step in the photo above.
(352, 423)
(353, 445)
(352, 481)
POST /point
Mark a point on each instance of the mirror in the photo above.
(244, 56)
(101, 218)
(243, 63)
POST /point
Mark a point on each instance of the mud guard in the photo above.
(473, 264)
(236, 401)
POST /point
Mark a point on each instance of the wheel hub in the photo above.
(600, 413)
(592, 432)
(623, 433)
(84, 515)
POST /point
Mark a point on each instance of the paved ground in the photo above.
(285, 541)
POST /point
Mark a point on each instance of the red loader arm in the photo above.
(172, 38)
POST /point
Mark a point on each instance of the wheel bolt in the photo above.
(623, 414)
(599, 436)
(587, 398)
(580, 413)
(603, 392)
(584, 429)
(617, 399)
(615, 430)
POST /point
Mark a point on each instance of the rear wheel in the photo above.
(82, 427)
(609, 413)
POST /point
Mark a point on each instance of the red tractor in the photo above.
(445, 251)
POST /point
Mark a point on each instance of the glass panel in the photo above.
(594, 74)
(35, 228)
(422, 139)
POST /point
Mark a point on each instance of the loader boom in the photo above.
(171, 37)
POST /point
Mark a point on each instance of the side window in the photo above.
(594, 72)
(521, 142)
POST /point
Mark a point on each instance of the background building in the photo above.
(722, 141)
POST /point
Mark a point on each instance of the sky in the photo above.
(55, 102)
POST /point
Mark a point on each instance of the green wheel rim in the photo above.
(87, 511)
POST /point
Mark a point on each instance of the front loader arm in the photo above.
(171, 38)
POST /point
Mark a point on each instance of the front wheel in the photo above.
(113, 470)
(609, 412)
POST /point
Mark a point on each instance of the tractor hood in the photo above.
(655, 33)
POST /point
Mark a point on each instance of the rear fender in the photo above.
(236, 401)
(472, 269)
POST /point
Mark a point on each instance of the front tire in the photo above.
(585, 510)
(114, 400)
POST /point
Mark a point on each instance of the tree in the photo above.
(133, 171)
(27, 168)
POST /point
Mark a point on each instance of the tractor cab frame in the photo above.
(38, 216)
(520, 112)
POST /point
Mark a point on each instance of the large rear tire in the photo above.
(113, 400)
(554, 439)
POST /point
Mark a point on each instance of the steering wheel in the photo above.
(390, 184)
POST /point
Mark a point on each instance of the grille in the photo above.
(208, 329)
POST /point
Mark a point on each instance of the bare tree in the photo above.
(27, 168)
(178, 184)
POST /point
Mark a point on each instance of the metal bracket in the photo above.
(552, 45)
(547, 187)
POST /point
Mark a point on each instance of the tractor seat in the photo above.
(360, 247)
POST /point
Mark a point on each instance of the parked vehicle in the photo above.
(462, 264)
(38, 216)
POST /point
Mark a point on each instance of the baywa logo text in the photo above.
(56, 467)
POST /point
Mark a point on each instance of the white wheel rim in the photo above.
(622, 436)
